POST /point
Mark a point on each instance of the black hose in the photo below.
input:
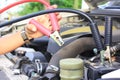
(108, 31)
(96, 36)
(93, 26)
(46, 12)
(72, 50)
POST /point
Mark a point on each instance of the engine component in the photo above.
(28, 69)
(31, 70)
(72, 50)
(32, 64)
(71, 69)
(95, 70)
(115, 48)
(36, 55)
(112, 74)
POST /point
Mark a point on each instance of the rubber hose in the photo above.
(72, 50)
(108, 31)
(93, 26)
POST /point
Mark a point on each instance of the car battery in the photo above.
(94, 71)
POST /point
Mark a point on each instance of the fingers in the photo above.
(41, 18)
(54, 6)
(44, 20)
(30, 28)
(59, 17)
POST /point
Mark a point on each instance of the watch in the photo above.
(24, 36)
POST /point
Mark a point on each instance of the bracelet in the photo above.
(24, 36)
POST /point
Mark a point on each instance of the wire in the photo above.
(52, 16)
(46, 12)
(24, 1)
(93, 26)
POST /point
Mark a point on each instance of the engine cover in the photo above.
(94, 72)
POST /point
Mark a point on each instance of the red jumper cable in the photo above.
(54, 34)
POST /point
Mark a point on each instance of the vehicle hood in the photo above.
(94, 3)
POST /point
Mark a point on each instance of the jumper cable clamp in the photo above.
(52, 34)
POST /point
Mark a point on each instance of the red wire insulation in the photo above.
(23, 1)
(53, 17)
(41, 28)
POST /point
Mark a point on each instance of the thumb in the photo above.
(34, 29)
(54, 6)
(31, 28)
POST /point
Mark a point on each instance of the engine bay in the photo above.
(96, 53)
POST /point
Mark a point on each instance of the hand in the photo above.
(32, 31)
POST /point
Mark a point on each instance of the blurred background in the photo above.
(27, 8)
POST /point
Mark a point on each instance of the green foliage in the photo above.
(66, 3)
(30, 8)
(63, 3)
(34, 7)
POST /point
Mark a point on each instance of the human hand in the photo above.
(32, 31)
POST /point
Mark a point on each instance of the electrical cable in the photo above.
(46, 12)
(93, 26)
(52, 16)
(23, 1)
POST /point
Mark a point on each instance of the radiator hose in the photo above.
(72, 50)
(69, 51)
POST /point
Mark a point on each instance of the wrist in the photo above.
(25, 36)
